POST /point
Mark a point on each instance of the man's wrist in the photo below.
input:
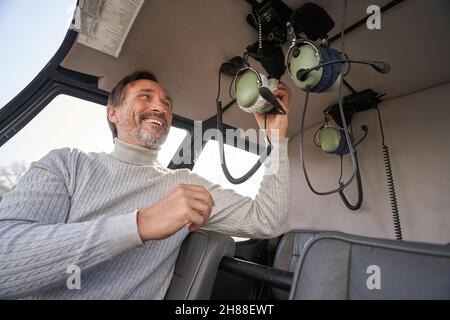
(140, 220)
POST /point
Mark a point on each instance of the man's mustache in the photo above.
(155, 115)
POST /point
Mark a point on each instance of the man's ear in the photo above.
(112, 113)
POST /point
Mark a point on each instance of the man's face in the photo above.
(145, 116)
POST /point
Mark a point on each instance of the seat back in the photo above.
(341, 266)
(197, 265)
(288, 252)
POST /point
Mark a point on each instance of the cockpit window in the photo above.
(31, 32)
(238, 163)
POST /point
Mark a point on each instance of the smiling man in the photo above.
(119, 219)
(143, 114)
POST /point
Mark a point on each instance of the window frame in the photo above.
(250, 146)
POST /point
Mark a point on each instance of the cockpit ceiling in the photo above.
(185, 42)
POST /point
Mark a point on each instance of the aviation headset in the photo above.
(331, 140)
(254, 91)
(303, 55)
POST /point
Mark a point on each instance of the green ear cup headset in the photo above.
(331, 140)
(250, 90)
(305, 64)
(303, 55)
(254, 92)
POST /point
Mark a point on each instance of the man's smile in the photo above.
(153, 120)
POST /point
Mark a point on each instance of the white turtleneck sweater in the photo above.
(79, 209)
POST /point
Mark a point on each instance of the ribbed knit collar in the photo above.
(133, 154)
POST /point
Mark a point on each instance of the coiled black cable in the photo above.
(392, 194)
(391, 185)
(223, 162)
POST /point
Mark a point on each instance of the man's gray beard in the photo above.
(148, 141)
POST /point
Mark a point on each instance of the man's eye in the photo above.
(146, 96)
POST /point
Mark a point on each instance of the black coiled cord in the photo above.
(392, 195)
(223, 162)
(391, 185)
(221, 137)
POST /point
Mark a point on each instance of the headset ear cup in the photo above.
(329, 139)
(246, 88)
(342, 144)
(336, 68)
(343, 148)
(330, 72)
(327, 70)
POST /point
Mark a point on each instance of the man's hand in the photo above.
(184, 204)
(277, 121)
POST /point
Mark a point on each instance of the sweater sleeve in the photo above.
(36, 245)
(263, 217)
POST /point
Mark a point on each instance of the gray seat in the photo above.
(288, 252)
(197, 265)
(340, 266)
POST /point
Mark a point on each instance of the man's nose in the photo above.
(158, 106)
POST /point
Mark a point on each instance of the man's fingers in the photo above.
(283, 86)
(199, 192)
(202, 208)
(280, 93)
(196, 188)
(200, 196)
(196, 218)
(193, 228)
(283, 98)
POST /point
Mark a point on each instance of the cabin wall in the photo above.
(417, 131)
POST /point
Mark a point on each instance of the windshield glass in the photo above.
(69, 122)
(31, 33)
(238, 162)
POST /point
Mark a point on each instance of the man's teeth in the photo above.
(154, 121)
